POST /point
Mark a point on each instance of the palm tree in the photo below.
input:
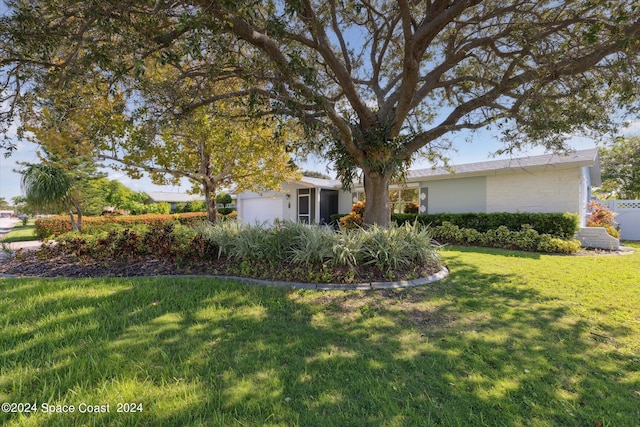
(49, 187)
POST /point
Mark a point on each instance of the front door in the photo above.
(306, 205)
(304, 213)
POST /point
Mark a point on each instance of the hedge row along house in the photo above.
(544, 183)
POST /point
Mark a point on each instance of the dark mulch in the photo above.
(47, 264)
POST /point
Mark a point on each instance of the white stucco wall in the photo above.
(289, 205)
(584, 196)
(345, 202)
(541, 190)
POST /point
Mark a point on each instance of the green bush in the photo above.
(555, 245)
(560, 225)
(526, 239)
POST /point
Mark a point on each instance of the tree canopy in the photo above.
(375, 83)
(620, 163)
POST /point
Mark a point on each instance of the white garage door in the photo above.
(262, 210)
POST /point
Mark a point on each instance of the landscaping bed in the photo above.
(31, 263)
(289, 252)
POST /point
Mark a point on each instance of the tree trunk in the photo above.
(210, 202)
(76, 224)
(378, 206)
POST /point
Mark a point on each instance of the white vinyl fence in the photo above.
(627, 216)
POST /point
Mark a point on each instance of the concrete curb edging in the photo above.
(443, 273)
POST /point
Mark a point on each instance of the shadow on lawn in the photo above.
(474, 349)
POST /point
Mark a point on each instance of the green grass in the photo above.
(21, 233)
(509, 339)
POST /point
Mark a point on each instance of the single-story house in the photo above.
(172, 198)
(545, 183)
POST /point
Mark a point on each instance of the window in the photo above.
(403, 200)
(358, 196)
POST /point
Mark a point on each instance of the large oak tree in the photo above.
(375, 82)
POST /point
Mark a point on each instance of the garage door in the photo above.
(262, 210)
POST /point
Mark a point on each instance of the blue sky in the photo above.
(467, 149)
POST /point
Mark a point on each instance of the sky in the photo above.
(467, 148)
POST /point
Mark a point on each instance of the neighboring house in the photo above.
(172, 198)
(546, 183)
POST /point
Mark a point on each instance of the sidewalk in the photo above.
(6, 224)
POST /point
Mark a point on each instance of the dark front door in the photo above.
(328, 205)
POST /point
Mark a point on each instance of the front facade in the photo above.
(547, 183)
(309, 201)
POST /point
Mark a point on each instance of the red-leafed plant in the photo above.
(601, 216)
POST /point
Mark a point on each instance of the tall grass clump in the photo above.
(397, 248)
(312, 245)
(286, 251)
(221, 236)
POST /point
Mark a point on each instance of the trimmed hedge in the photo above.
(56, 225)
(558, 225)
(525, 239)
(542, 232)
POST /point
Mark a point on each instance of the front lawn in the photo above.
(21, 233)
(510, 338)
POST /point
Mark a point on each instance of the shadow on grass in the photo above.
(475, 349)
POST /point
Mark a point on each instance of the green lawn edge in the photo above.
(507, 339)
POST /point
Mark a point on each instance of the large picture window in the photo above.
(404, 200)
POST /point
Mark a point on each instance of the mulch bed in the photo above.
(35, 264)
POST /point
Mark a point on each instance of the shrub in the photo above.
(221, 236)
(555, 245)
(601, 216)
(351, 221)
(561, 225)
(526, 239)
(54, 226)
(396, 247)
(312, 245)
(355, 218)
(359, 207)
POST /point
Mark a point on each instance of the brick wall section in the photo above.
(597, 237)
(540, 190)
